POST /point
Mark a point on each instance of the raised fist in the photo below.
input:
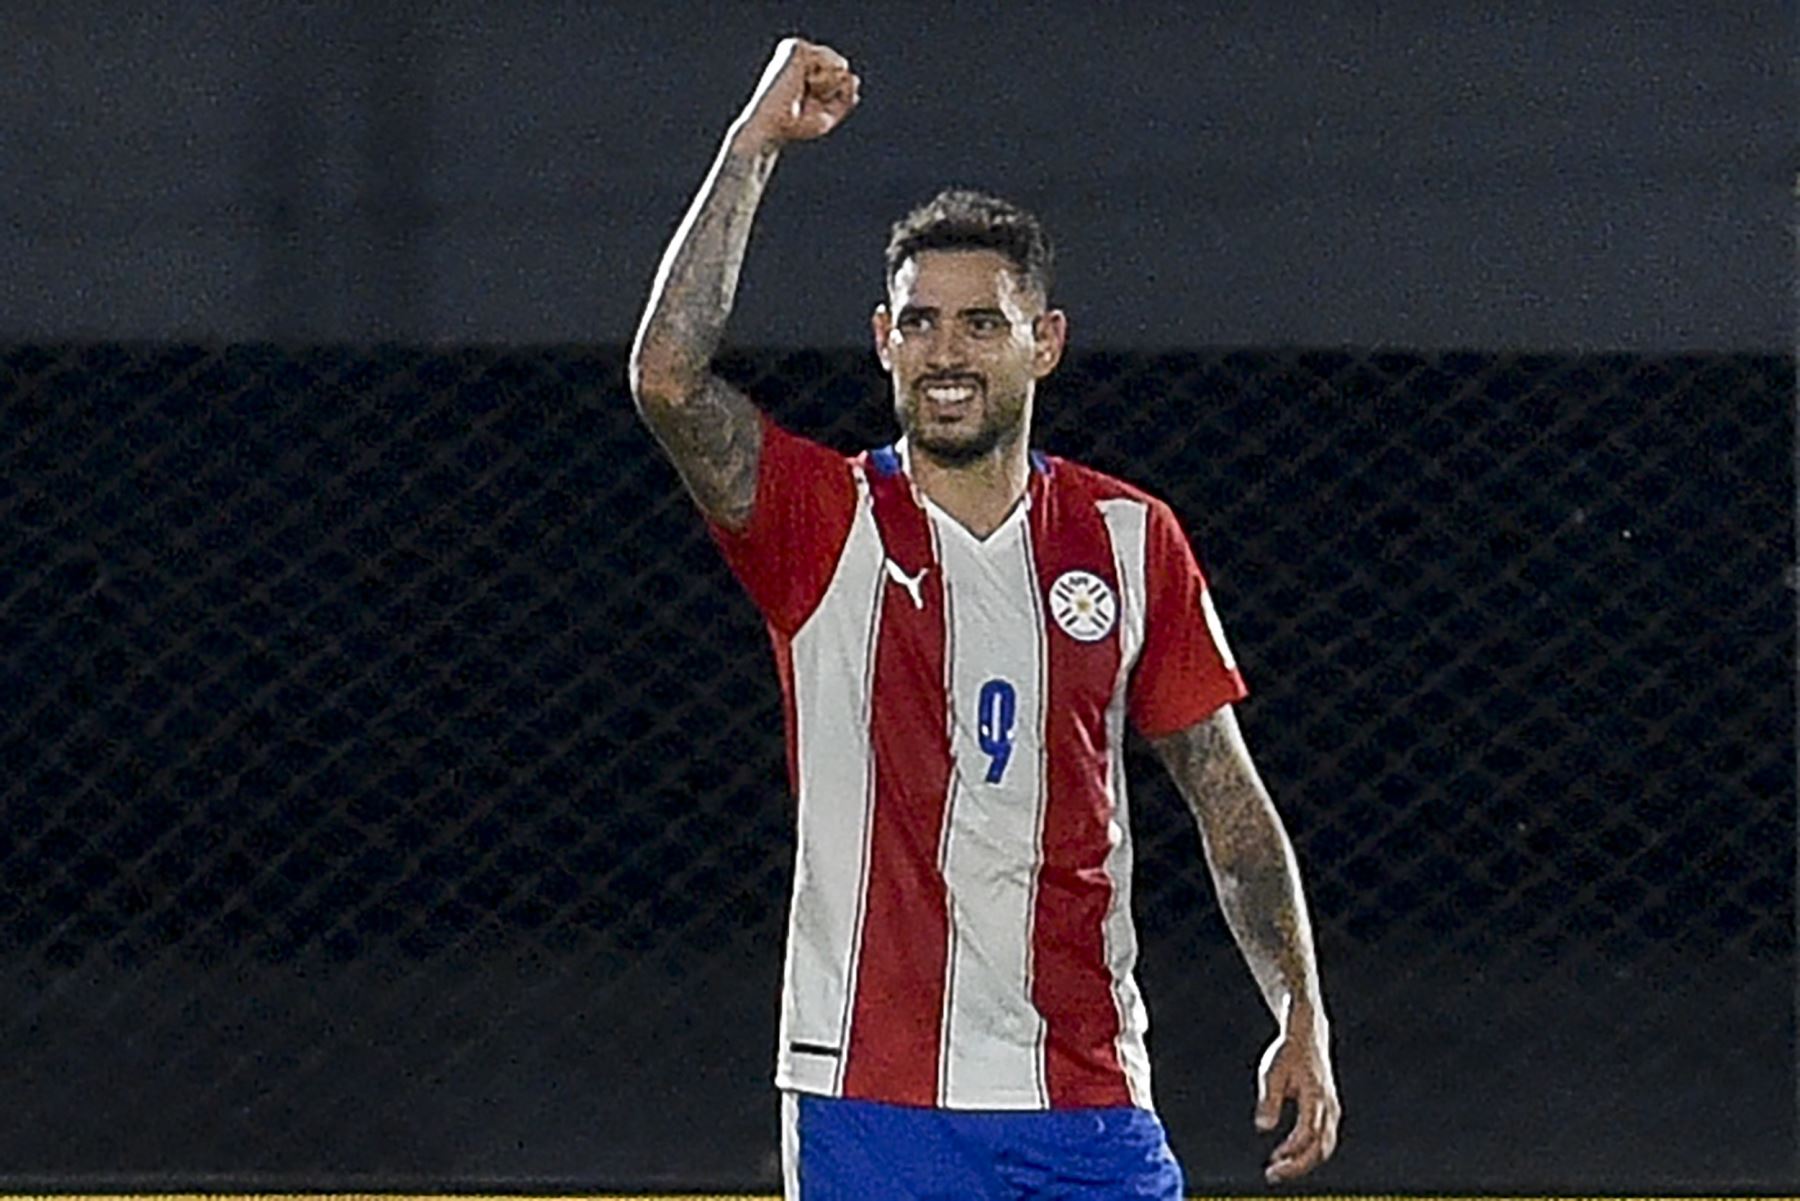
(805, 92)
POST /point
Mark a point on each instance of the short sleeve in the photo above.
(805, 501)
(1185, 672)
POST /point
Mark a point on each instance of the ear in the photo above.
(882, 323)
(1049, 333)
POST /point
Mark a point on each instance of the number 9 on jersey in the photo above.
(999, 704)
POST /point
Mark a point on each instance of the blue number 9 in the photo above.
(998, 704)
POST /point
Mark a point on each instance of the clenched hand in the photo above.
(806, 92)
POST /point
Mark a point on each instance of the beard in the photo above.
(959, 447)
(959, 452)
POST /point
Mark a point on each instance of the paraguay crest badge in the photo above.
(1083, 605)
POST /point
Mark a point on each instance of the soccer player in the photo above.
(963, 627)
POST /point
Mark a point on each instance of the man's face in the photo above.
(965, 342)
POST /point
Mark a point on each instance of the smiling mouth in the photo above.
(950, 397)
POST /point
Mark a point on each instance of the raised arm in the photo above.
(709, 429)
(1258, 882)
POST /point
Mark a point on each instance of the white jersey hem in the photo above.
(788, 1081)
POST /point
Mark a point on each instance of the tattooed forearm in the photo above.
(711, 431)
(1251, 860)
(697, 282)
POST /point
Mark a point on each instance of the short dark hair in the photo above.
(960, 219)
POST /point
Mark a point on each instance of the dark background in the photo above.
(393, 779)
(392, 772)
(1412, 173)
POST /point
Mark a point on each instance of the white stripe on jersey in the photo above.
(1127, 522)
(833, 660)
(1040, 620)
(1217, 630)
(944, 832)
(992, 1028)
(790, 1146)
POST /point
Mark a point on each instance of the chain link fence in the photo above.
(393, 790)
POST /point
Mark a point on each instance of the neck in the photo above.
(981, 494)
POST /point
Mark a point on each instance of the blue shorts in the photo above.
(838, 1150)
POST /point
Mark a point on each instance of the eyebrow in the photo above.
(925, 310)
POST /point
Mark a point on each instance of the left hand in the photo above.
(1297, 1067)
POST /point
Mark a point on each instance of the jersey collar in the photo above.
(897, 456)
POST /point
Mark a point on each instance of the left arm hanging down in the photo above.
(1258, 883)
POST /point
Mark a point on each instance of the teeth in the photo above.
(950, 394)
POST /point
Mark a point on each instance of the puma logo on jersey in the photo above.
(912, 584)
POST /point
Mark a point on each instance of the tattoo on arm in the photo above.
(1251, 860)
(710, 430)
(714, 438)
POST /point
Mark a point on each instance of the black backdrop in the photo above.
(1414, 174)
(392, 784)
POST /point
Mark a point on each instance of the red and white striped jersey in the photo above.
(961, 930)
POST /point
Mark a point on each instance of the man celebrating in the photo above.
(963, 627)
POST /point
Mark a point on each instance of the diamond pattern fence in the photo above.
(391, 785)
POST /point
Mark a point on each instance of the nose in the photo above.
(946, 350)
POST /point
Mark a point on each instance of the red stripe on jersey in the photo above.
(1072, 981)
(897, 1015)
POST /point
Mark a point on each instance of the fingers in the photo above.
(810, 56)
(1310, 1143)
(1268, 1106)
(832, 86)
(1301, 1150)
(829, 97)
(1271, 1088)
(1309, 1113)
(825, 56)
(805, 92)
(1314, 1136)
